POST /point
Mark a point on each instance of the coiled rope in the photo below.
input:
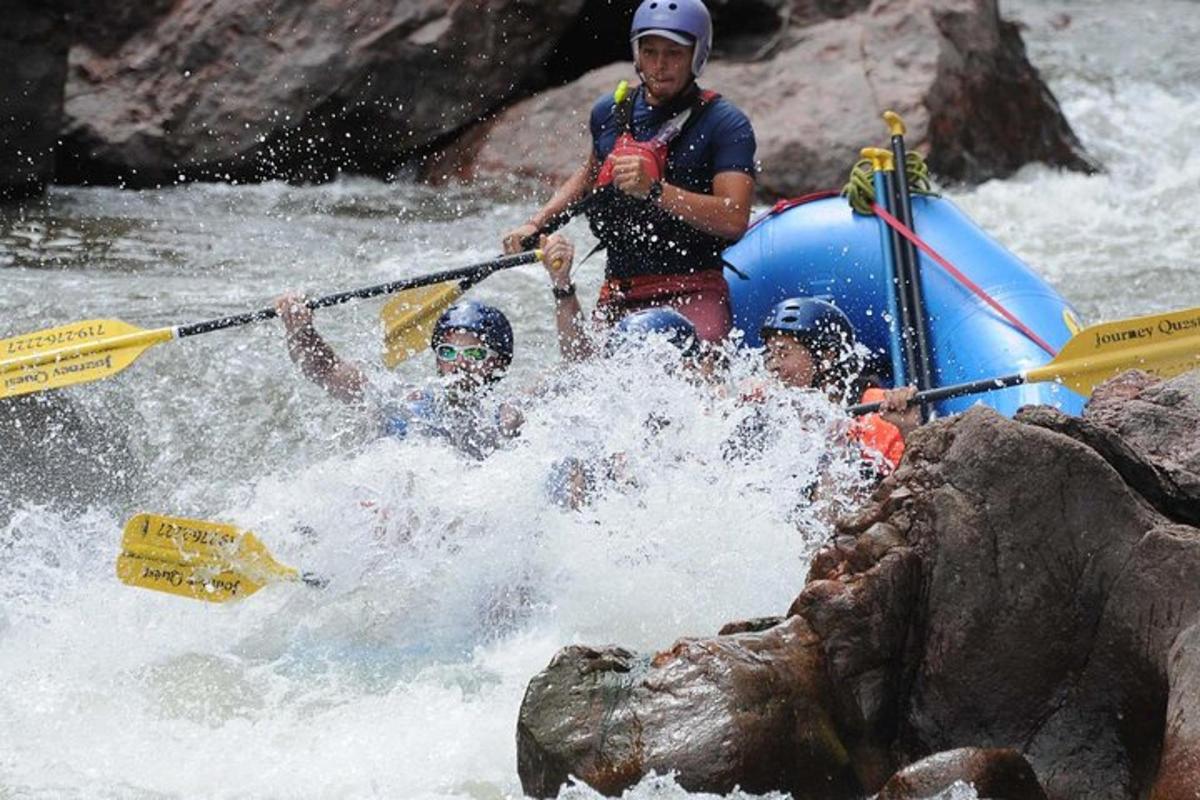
(860, 189)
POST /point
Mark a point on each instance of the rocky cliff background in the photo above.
(167, 90)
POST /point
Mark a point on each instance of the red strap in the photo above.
(784, 205)
(904, 231)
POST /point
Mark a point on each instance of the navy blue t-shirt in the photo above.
(651, 242)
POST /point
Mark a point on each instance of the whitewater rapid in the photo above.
(450, 582)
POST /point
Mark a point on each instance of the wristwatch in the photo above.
(563, 293)
(655, 193)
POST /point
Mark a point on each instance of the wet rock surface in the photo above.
(763, 722)
(999, 774)
(33, 67)
(1149, 431)
(223, 90)
(218, 89)
(953, 69)
(1011, 588)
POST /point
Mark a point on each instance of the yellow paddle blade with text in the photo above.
(195, 558)
(194, 581)
(71, 354)
(409, 317)
(1162, 344)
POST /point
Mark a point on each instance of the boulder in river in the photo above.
(954, 70)
(255, 89)
(216, 89)
(1010, 586)
(997, 774)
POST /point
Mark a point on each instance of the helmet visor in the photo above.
(678, 37)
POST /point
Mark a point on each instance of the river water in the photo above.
(450, 583)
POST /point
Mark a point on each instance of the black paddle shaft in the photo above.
(472, 273)
(908, 320)
(946, 392)
(910, 271)
(563, 217)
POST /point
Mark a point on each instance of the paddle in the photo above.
(910, 266)
(99, 348)
(197, 559)
(900, 347)
(409, 317)
(1163, 344)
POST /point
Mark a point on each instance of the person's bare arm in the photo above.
(573, 341)
(573, 189)
(316, 359)
(724, 213)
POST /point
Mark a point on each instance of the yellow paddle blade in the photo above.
(196, 558)
(71, 354)
(409, 317)
(1162, 344)
(198, 581)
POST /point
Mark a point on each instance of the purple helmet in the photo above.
(684, 21)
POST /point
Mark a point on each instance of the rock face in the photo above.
(33, 63)
(766, 723)
(1150, 432)
(218, 89)
(266, 88)
(1026, 584)
(953, 69)
(1000, 774)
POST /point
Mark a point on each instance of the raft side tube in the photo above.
(824, 249)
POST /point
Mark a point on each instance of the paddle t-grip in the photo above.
(881, 160)
(895, 123)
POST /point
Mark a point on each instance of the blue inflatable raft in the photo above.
(822, 248)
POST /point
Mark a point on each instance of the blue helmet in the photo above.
(486, 322)
(665, 322)
(819, 324)
(684, 21)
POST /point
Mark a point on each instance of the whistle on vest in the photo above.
(653, 154)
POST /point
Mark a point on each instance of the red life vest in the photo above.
(653, 151)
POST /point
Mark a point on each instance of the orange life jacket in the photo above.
(877, 435)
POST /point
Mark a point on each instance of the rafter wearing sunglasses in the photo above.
(473, 353)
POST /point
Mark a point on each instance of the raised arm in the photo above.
(316, 359)
(572, 190)
(573, 341)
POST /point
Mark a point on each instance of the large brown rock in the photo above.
(33, 66)
(747, 709)
(1007, 587)
(953, 69)
(997, 774)
(1149, 431)
(1021, 534)
(268, 88)
(1179, 769)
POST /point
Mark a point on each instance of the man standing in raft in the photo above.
(672, 169)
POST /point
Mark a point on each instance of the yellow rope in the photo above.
(860, 188)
